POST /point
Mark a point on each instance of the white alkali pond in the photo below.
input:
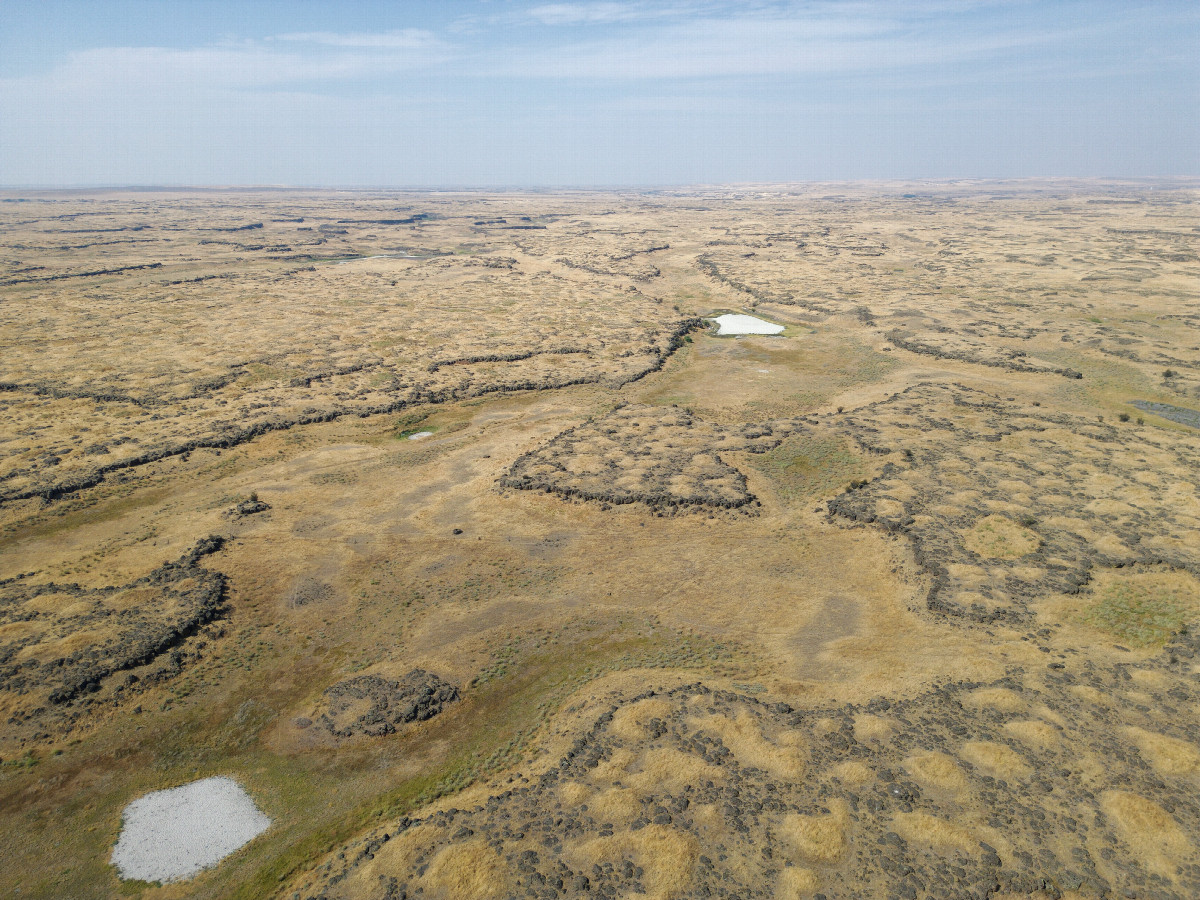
(174, 834)
(737, 323)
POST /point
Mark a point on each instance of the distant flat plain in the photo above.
(899, 602)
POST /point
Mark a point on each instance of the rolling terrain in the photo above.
(446, 525)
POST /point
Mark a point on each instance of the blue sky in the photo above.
(594, 93)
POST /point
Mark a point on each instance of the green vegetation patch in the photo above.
(441, 421)
(1140, 612)
(998, 537)
(805, 467)
(411, 423)
(334, 478)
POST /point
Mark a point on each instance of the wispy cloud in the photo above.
(404, 39)
(552, 20)
(603, 13)
(818, 38)
(624, 41)
(295, 59)
(740, 46)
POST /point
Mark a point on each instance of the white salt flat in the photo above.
(174, 834)
(736, 323)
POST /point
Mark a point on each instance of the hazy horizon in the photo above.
(594, 94)
(932, 183)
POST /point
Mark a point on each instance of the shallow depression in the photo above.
(174, 834)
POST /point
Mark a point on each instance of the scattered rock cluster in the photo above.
(955, 346)
(143, 627)
(1088, 494)
(663, 457)
(249, 508)
(370, 704)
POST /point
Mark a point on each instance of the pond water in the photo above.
(1180, 414)
(342, 262)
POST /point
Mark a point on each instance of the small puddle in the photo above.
(343, 262)
(1180, 414)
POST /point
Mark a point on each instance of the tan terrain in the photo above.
(447, 526)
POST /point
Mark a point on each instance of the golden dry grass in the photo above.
(783, 756)
(796, 883)
(998, 760)
(666, 855)
(1000, 699)
(400, 853)
(1169, 756)
(872, 728)
(937, 770)
(617, 805)
(663, 768)
(999, 537)
(630, 722)
(574, 793)
(942, 835)
(1035, 733)
(852, 772)
(816, 838)
(1155, 837)
(470, 870)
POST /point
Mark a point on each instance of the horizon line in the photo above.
(603, 187)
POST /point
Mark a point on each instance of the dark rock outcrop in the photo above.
(371, 704)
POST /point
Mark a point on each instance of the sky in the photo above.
(593, 94)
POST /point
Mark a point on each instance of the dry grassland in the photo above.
(444, 525)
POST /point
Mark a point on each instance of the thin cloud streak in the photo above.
(558, 14)
(405, 39)
(155, 70)
(754, 45)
